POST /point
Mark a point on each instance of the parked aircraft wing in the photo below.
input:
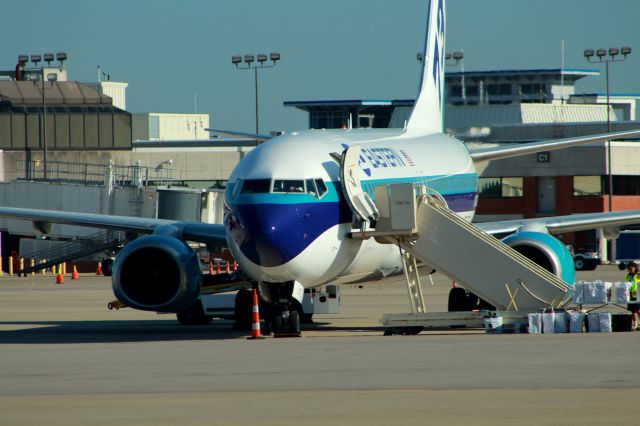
(515, 150)
(570, 223)
(189, 231)
(255, 136)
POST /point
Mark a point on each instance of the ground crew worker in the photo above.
(633, 277)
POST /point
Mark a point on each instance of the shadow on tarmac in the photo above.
(54, 332)
(43, 332)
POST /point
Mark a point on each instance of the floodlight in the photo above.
(261, 57)
(236, 59)
(61, 56)
(613, 51)
(589, 53)
(601, 52)
(249, 58)
(447, 56)
(48, 57)
(23, 59)
(52, 77)
(419, 57)
(458, 55)
(275, 56)
(35, 58)
(625, 50)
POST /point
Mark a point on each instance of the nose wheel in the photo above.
(286, 323)
(282, 316)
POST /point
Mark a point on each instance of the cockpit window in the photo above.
(322, 188)
(236, 187)
(282, 185)
(256, 186)
(311, 187)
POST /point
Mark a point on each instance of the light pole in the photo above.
(601, 54)
(251, 62)
(458, 57)
(52, 78)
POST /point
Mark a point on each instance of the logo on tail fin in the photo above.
(438, 51)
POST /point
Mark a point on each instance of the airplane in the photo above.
(290, 208)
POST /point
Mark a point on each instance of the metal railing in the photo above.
(75, 249)
(95, 174)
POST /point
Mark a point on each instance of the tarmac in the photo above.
(66, 359)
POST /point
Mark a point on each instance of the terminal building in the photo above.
(73, 146)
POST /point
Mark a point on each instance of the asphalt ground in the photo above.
(66, 359)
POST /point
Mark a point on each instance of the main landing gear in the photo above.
(282, 316)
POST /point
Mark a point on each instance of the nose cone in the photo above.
(269, 234)
(272, 234)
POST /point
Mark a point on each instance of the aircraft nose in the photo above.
(268, 235)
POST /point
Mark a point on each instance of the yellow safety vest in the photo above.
(633, 279)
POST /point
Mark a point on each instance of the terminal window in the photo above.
(584, 186)
(328, 119)
(624, 185)
(532, 89)
(455, 91)
(499, 89)
(504, 187)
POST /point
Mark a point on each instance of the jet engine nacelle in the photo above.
(157, 273)
(545, 250)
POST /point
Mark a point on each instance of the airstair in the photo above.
(75, 249)
(433, 234)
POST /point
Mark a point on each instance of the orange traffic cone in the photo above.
(228, 268)
(99, 270)
(235, 265)
(75, 275)
(59, 277)
(218, 268)
(255, 319)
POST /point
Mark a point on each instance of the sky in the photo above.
(169, 51)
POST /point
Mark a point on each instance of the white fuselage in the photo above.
(283, 225)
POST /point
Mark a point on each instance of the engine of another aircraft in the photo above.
(157, 273)
(546, 251)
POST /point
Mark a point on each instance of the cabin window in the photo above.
(256, 186)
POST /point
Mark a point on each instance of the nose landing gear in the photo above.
(286, 324)
(283, 319)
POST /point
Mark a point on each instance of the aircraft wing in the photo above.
(256, 136)
(515, 150)
(213, 234)
(570, 223)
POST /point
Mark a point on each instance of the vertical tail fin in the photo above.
(427, 111)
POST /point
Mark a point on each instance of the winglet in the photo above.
(427, 111)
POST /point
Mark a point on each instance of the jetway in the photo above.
(424, 228)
